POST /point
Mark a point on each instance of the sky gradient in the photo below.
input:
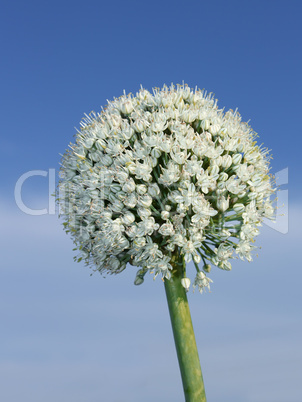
(66, 336)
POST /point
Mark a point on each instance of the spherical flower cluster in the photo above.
(158, 175)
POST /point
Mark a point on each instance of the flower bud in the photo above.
(236, 159)
(131, 200)
(186, 283)
(217, 161)
(238, 208)
(207, 267)
(252, 195)
(226, 265)
(141, 189)
(223, 176)
(115, 188)
(213, 170)
(256, 180)
(189, 115)
(223, 131)
(140, 125)
(139, 279)
(222, 203)
(88, 142)
(131, 231)
(128, 218)
(106, 214)
(220, 188)
(241, 194)
(106, 160)
(129, 186)
(155, 153)
(205, 124)
(197, 258)
(145, 200)
(200, 274)
(153, 190)
(166, 229)
(214, 128)
(95, 156)
(113, 263)
(178, 240)
(121, 176)
(116, 205)
(225, 234)
(226, 161)
(269, 211)
(144, 213)
(126, 106)
(140, 241)
(94, 194)
(165, 215)
(131, 166)
(170, 247)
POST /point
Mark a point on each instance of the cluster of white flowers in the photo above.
(158, 175)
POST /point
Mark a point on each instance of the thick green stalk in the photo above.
(184, 338)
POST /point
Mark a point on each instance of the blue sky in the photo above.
(68, 336)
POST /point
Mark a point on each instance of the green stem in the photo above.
(184, 338)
